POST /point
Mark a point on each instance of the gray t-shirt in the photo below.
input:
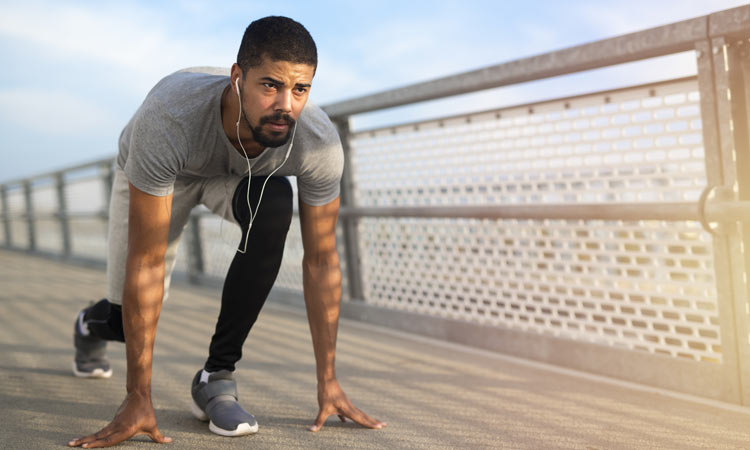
(177, 132)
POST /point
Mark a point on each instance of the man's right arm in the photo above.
(148, 230)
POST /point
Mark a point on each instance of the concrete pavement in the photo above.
(433, 395)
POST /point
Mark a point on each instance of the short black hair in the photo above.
(278, 38)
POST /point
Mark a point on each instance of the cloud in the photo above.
(132, 40)
(52, 112)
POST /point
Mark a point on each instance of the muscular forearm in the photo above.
(322, 284)
(142, 298)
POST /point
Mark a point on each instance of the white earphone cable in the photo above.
(249, 170)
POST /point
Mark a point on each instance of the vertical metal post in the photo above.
(733, 83)
(30, 215)
(108, 180)
(6, 216)
(718, 72)
(351, 233)
(196, 267)
(62, 214)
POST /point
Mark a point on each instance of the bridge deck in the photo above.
(433, 395)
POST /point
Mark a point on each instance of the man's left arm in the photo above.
(321, 278)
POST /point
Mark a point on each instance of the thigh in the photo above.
(185, 197)
(218, 193)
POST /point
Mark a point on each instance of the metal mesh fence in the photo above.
(635, 145)
(645, 285)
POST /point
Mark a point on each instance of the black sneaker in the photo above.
(216, 400)
(91, 352)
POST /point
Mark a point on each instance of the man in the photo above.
(193, 141)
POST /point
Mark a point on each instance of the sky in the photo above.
(73, 72)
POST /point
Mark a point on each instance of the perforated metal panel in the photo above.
(646, 286)
(290, 274)
(636, 145)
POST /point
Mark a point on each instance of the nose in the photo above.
(284, 101)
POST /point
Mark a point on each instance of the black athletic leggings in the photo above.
(252, 274)
(249, 278)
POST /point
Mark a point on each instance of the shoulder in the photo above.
(315, 128)
(185, 90)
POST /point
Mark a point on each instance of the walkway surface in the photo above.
(433, 395)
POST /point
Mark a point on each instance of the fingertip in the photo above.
(379, 425)
(314, 428)
(163, 440)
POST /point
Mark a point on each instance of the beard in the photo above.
(272, 138)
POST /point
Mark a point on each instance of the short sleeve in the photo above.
(155, 148)
(320, 181)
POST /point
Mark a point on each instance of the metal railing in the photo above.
(604, 232)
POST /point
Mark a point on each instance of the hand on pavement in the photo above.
(333, 400)
(135, 416)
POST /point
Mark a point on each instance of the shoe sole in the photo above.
(96, 373)
(242, 429)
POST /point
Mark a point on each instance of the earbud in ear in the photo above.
(237, 85)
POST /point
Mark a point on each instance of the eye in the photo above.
(300, 90)
(269, 85)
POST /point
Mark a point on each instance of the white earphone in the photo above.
(249, 169)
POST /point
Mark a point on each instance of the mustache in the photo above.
(278, 117)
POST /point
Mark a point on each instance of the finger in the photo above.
(322, 416)
(159, 438)
(109, 440)
(361, 418)
(100, 442)
(86, 439)
(75, 442)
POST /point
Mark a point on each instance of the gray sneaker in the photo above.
(91, 352)
(216, 400)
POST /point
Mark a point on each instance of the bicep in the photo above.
(318, 224)
(148, 224)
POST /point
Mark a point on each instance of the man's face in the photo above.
(273, 95)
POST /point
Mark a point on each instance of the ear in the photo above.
(235, 74)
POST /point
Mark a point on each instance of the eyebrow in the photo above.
(281, 83)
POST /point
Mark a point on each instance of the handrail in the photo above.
(718, 211)
(44, 175)
(723, 211)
